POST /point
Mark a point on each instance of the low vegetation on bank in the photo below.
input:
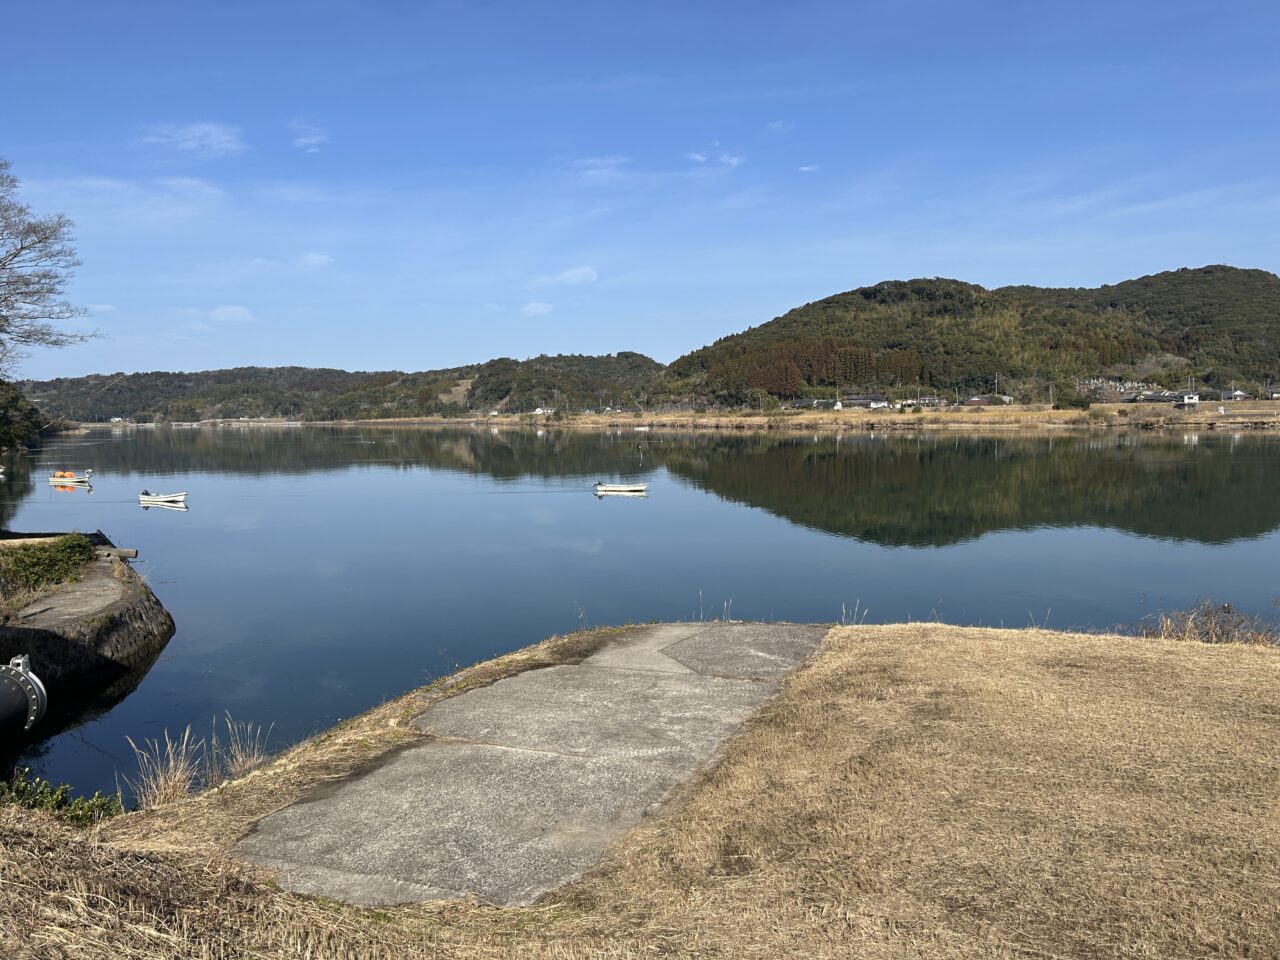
(30, 568)
(1212, 622)
(34, 793)
(913, 791)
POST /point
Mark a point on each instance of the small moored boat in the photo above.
(147, 498)
(632, 489)
(70, 476)
(166, 505)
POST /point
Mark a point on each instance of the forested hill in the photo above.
(1218, 323)
(321, 394)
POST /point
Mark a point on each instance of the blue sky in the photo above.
(412, 185)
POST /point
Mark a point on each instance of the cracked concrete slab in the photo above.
(597, 712)
(757, 651)
(525, 783)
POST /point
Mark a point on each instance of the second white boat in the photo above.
(621, 488)
(155, 499)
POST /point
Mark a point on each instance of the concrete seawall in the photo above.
(90, 639)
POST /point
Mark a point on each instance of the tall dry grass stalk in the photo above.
(168, 770)
(244, 749)
(172, 769)
(1210, 622)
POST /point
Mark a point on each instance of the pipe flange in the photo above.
(18, 672)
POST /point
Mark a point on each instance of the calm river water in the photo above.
(321, 571)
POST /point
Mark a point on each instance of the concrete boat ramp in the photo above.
(524, 784)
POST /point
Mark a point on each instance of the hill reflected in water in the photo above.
(892, 491)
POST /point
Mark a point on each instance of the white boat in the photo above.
(74, 478)
(166, 505)
(633, 489)
(147, 498)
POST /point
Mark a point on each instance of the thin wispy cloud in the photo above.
(315, 261)
(536, 308)
(231, 313)
(137, 201)
(600, 169)
(196, 321)
(205, 138)
(307, 137)
(809, 168)
(576, 275)
(727, 160)
(778, 126)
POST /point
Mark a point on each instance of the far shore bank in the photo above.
(1011, 419)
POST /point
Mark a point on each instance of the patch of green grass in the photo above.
(37, 565)
(33, 793)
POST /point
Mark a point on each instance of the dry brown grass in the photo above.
(915, 791)
(1000, 420)
(241, 749)
(168, 768)
(1211, 622)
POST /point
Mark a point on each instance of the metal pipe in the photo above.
(23, 700)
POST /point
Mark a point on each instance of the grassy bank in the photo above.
(997, 419)
(30, 568)
(913, 791)
(1014, 418)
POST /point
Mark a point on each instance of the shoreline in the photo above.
(1261, 416)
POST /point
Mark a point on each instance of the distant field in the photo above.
(915, 791)
(998, 418)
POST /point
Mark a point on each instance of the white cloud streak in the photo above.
(577, 275)
(536, 308)
(203, 138)
(307, 137)
(599, 169)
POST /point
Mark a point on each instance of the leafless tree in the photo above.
(36, 261)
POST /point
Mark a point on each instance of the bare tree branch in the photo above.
(37, 260)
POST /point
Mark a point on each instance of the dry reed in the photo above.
(167, 770)
(243, 750)
(1211, 622)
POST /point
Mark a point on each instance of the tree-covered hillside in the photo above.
(1216, 323)
(303, 393)
(19, 420)
(570, 380)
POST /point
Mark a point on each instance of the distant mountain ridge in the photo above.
(306, 393)
(1217, 323)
